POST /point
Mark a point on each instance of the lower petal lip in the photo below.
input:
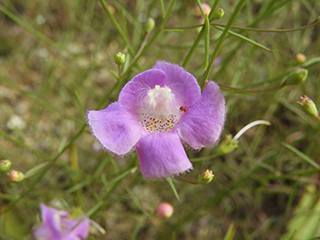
(162, 155)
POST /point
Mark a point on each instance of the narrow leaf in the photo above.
(245, 39)
(169, 180)
(302, 155)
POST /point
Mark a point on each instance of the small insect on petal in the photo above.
(183, 109)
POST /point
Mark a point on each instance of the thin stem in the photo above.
(315, 22)
(115, 23)
(196, 42)
(252, 92)
(220, 41)
(151, 40)
(207, 41)
(31, 30)
(188, 181)
(143, 44)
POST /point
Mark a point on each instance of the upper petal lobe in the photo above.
(183, 84)
(133, 93)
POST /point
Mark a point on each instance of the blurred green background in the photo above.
(55, 62)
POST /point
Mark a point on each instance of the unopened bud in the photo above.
(206, 10)
(5, 165)
(164, 210)
(301, 58)
(119, 58)
(308, 106)
(205, 177)
(219, 13)
(296, 77)
(16, 176)
(149, 25)
(227, 146)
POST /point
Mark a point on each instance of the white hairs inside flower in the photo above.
(160, 111)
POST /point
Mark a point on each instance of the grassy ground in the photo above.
(55, 62)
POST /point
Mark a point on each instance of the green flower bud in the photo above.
(149, 25)
(308, 106)
(205, 177)
(5, 165)
(227, 146)
(219, 13)
(16, 176)
(119, 58)
(296, 77)
(301, 58)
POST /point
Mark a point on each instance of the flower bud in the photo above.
(205, 177)
(119, 58)
(301, 58)
(219, 13)
(5, 165)
(149, 25)
(206, 9)
(296, 77)
(164, 210)
(227, 146)
(308, 106)
(16, 176)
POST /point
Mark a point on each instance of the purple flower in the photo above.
(57, 226)
(158, 110)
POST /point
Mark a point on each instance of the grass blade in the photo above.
(302, 155)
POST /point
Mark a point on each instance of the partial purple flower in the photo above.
(57, 225)
(158, 110)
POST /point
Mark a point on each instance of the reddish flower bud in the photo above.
(164, 210)
(16, 176)
(308, 106)
(205, 177)
(206, 9)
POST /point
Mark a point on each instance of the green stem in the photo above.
(159, 29)
(115, 23)
(196, 42)
(220, 41)
(315, 22)
(32, 30)
(207, 41)
(188, 181)
(251, 92)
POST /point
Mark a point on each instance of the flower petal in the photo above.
(162, 155)
(135, 90)
(50, 229)
(80, 232)
(116, 128)
(183, 84)
(203, 123)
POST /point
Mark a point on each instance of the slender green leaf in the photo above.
(169, 180)
(302, 155)
(245, 39)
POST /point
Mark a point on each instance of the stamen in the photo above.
(250, 125)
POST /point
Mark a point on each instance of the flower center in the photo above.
(159, 111)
